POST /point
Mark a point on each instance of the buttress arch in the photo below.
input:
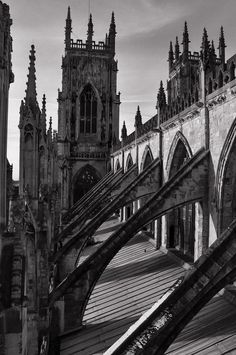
(179, 138)
(147, 158)
(181, 221)
(225, 188)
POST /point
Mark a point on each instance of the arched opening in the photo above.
(86, 178)
(226, 182)
(181, 221)
(129, 162)
(146, 161)
(228, 196)
(129, 208)
(117, 167)
(88, 111)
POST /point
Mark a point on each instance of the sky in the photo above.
(144, 31)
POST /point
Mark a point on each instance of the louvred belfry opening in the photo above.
(88, 111)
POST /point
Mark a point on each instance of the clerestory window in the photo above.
(88, 111)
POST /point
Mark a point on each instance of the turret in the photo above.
(90, 33)
(31, 95)
(185, 42)
(177, 51)
(68, 29)
(222, 45)
(171, 56)
(112, 33)
(138, 118)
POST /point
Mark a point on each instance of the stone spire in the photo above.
(222, 45)
(123, 131)
(90, 32)
(43, 116)
(205, 49)
(68, 29)
(49, 133)
(177, 51)
(185, 42)
(31, 95)
(112, 33)
(138, 118)
(171, 56)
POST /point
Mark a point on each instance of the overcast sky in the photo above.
(144, 30)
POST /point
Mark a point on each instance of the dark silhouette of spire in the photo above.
(31, 95)
(90, 32)
(171, 56)
(138, 118)
(185, 42)
(205, 49)
(112, 33)
(161, 97)
(177, 51)
(68, 29)
(222, 45)
(212, 57)
(124, 131)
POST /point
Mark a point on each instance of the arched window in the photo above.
(88, 111)
(86, 178)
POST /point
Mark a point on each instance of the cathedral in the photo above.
(120, 246)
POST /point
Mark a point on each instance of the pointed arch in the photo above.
(117, 165)
(129, 162)
(225, 188)
(180, 141)
(84, 180)
(180, 222)
(147, 158)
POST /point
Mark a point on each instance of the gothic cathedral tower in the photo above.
(88, 117)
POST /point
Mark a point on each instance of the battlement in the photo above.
(81, 45)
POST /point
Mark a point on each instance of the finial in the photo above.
(123, 131)
(185, 42)
(112, 33)
(31, 83)
(177, 51)
(68, 13)
(205, 48)
(138, 118)
(222, 45)
(90, 32)
(171, 56)
(68, 29)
